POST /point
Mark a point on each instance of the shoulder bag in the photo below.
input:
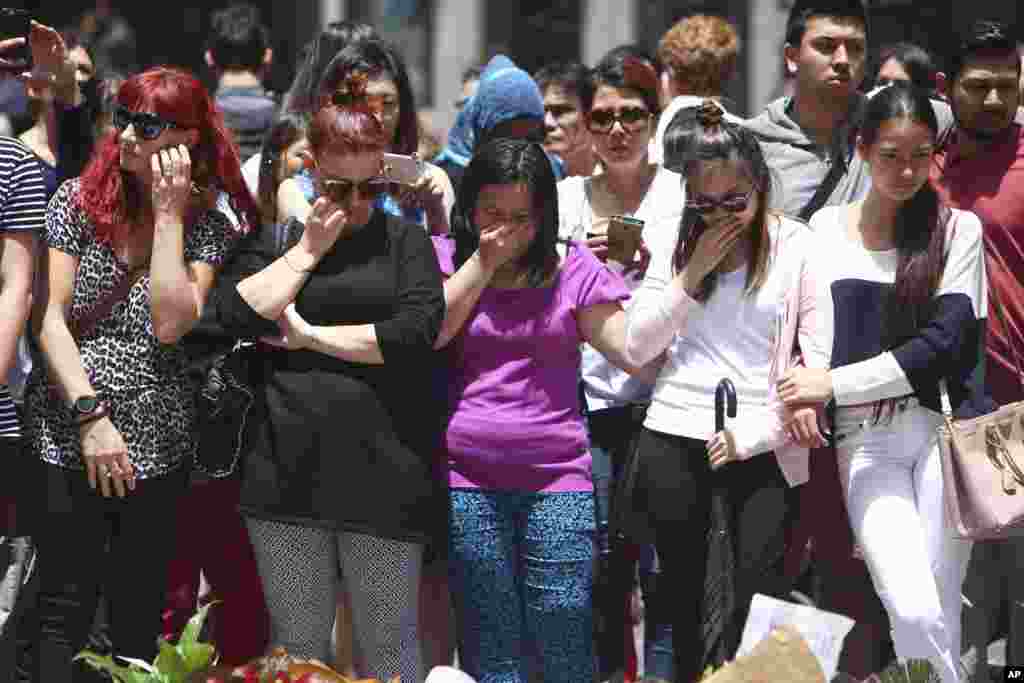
(226, 392)
(983, 466)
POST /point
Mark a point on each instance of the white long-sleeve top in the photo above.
(604, 385)
(747, 338)
(854, 286)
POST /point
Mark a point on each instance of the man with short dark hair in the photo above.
(238, 51)
(810, 138)
(564, 86)
(981, 170)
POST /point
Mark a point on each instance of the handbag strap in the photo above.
(997, 306)
(83, 326)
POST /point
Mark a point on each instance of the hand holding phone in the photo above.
(15, 27)
(402, 169)
(624, 238)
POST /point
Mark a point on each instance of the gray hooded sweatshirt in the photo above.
(799, 165)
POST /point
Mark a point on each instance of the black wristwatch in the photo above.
(85, 406)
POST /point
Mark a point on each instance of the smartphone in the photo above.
(624, 238)
(402, 169)
(16, 23)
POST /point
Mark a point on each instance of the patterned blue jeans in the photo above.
(521, 573)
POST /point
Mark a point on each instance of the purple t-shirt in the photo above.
(514, 398)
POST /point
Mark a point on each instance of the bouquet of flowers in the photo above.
(192, 661)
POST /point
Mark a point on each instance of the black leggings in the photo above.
(673, 493)
(86, 541)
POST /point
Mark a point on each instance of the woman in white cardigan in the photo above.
(729, 301)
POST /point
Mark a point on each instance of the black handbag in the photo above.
(224, 401)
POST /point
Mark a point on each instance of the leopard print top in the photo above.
(143, 382)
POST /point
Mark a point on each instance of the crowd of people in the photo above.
(469, 414)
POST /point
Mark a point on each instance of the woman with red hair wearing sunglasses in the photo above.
(340, 470)
(134, 247)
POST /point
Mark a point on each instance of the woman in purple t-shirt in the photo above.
(522, 508)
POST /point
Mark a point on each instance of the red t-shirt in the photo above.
(991, 185)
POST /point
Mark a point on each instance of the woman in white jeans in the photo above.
(902, 282)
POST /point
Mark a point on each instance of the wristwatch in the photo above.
(85, 406)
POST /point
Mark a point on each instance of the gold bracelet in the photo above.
(300, 271)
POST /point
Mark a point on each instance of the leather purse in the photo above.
(983, 467)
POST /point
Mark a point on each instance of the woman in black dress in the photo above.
(339, 469)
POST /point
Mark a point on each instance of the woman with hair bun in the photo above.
(134, 247)
(339, 471)
(729, 301)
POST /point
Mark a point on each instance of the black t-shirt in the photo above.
(348, 445)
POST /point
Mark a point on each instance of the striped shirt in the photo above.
(22, 207)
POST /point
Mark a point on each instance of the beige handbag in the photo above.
(983, 468)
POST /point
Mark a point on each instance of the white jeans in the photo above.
(892, 480)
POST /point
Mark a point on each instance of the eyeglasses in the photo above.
(632, 119)
(733, 203)
(341, 190)
(148, 126)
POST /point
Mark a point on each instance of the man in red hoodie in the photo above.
(981, 170)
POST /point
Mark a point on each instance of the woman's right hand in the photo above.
(713, 246)
(500, 245)
(106, 458)
(325, 223)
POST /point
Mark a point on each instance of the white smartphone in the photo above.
(402, 169)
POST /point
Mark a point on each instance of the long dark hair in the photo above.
(700, 134)
(287, 129)
(920, 234)
(377, 58)
(505, 161)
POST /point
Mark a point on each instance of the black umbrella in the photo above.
(719, 591)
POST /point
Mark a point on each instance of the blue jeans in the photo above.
(522, 573)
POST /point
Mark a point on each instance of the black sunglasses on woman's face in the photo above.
(339, 190)
(148, 126)
(632, 119)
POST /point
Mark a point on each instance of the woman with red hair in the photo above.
(134, 247)
(339, 470)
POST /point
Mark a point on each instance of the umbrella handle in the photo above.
(725, 402)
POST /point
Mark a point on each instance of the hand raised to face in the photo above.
(172, 181)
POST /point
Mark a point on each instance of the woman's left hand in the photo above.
(172, 181)
(426, 193)
(721, 449)
(805, 385)
(802, 428)
(296, 333)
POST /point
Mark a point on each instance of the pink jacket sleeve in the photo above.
(797, 342)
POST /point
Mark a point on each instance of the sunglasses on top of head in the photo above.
(733, 203)
(632, 119)
(148, 126)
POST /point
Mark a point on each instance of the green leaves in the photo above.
(121, 674)
(173, 664)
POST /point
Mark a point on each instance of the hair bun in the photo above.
(710, 114)
(351, 94)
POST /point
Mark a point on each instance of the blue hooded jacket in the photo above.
(506, 92)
